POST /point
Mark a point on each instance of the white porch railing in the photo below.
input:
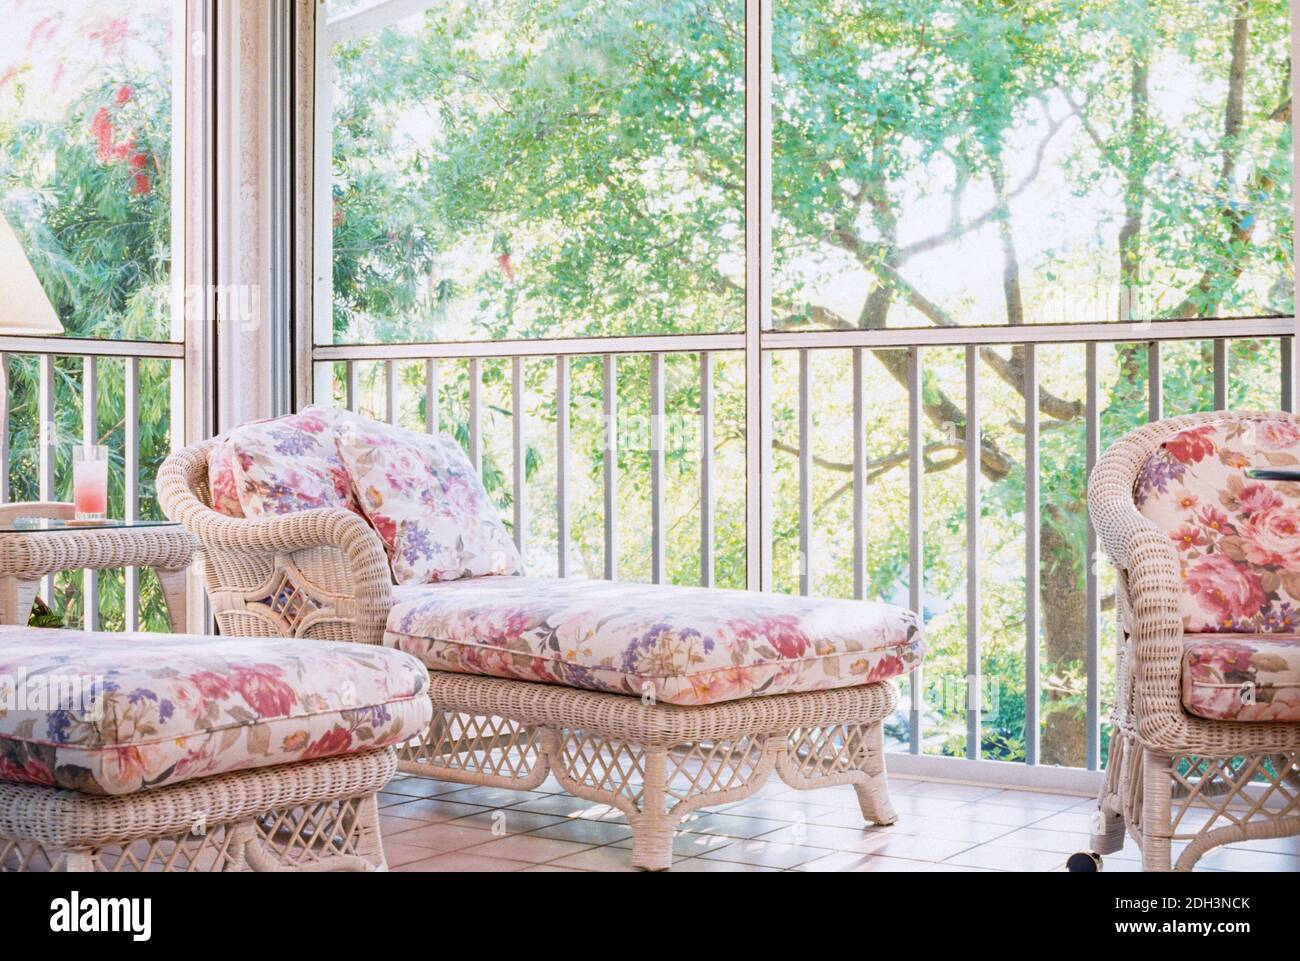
(69, 374)
(368, 377)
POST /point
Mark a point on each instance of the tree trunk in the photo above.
(1065, 631)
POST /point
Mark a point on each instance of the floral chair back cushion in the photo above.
(427, 503)
(283, 465)
(1238, 539)
(221, 479)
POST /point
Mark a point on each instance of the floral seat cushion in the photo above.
(1242, 677)
(1238, 539)
(682, 645)
(116, 713)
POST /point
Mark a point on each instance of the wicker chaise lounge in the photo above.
(1206, 749)
(152, 752)
(655, 700)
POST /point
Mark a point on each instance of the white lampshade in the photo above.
(24, 308)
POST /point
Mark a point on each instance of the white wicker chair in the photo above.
(323, 574)
(1172, 778)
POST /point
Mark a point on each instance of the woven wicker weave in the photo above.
(309, 816)
(1172, 777)
(323, 574)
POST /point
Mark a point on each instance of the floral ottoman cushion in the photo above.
(1238, 539)
(1240, 677)
(108, 713)
(683, 645)
(283, 465)
(422, 495)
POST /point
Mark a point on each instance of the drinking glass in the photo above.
(90, 482)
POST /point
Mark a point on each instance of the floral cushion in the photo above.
(421, 494)
(1235, 677)
(683, 645)
(290, 463)
(222, 484)
(115, 713)
(1238, 539)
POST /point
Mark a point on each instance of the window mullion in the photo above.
(758, 307)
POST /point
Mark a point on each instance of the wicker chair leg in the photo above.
(78, 862)
(873, 793)
(654, 827)
(1156, 826)
(369, 844)
(1108, 828)
(16, 599)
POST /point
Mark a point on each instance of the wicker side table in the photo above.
(37, 540)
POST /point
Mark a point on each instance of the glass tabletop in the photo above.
(33, 525)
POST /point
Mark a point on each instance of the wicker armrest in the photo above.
(290, 572)
(1148, 583)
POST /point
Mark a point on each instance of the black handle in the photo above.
(1274, 473)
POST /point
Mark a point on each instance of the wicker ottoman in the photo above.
(312, 816)
(123, 752)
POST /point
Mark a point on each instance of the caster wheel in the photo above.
(1083, 862)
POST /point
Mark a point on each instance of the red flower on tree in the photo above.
(123, 95)
(111, 35)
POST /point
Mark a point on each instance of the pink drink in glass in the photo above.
(90, 483)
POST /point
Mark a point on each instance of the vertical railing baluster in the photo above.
(974, 712)
(763, 483)
(658, 531)
(352, 398)
(390, 391)
(562, 464)
(45, 410)
(859, 474)
(45, 458)
(520, 452)
(1285, 345)
(1220, 374)
(4, 428)
(431, 419)
(805, 472)
(1092, 414)
(707, 575)
(89, 438)
(1032, 528)
(475, 414)
(915, 530)
(611, 467)
(131, 485)
(1155, 383)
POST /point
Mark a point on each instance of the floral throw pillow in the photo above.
(222, 484)
(427, 503)
(1238, 539)
(291, 463)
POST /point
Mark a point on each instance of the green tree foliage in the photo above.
(85, 147)
(577, 167)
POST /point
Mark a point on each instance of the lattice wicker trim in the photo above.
(655, 763)
(308, 816)
(1170, 776)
